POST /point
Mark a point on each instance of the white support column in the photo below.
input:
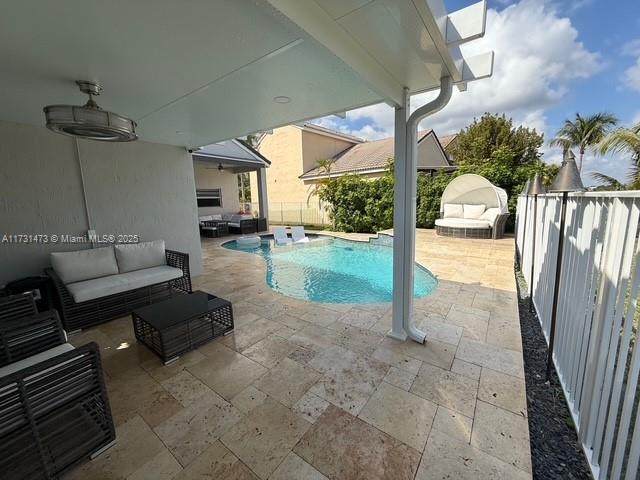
(403, 229)
(404, 210)
(263, 202)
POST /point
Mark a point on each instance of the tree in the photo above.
(478, 143)
(505, 155)
(627, 142)
(608, 183)
(583, 133)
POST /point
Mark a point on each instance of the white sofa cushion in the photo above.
(490, 215)
(473, 211)
(205, 218)
(101, 287)
(452, 210)
(216, 216)
(136, 256)
(84, 264)
(462, 223)
(34, 359)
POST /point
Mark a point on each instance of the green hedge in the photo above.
(357, 204)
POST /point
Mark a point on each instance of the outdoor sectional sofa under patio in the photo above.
(97, 285)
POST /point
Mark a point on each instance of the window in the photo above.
(209, 197)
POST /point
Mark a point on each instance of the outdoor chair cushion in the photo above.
(473, 211)
(462, 223)
(216, 216)
(136, 256)
(82, 265)
(205, 218)
(101, 287)
(452, 210)
(490, 215)
(34, 359)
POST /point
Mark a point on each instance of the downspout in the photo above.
(437, 104)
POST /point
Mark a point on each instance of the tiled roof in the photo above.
(365, 156)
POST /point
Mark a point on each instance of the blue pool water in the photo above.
(331, 270)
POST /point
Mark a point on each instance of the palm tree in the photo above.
(627, 142)
(584, 132)
(607, 182)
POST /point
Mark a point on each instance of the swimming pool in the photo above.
(332, 270)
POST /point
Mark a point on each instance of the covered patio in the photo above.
(424, 389)
(313, 391)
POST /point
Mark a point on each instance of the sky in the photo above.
(553, 59)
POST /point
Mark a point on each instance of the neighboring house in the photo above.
(216, 168)
(371, 159)
(296, 149)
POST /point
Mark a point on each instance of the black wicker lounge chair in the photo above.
(54, 410)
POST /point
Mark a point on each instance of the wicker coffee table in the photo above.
(182, 323)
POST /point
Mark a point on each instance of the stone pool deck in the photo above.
(311, 391)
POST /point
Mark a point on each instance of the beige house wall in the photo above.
(284, 149)
(316, 147)
(293, 151)
(207, 175)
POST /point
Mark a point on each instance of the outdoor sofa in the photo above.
(97, 285)
(213, 226)
(241, 223)
(471, 221)
(54, 408)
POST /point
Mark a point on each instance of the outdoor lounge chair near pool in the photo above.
(298, 236)
(280, 236)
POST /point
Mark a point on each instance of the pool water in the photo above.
(331, 270)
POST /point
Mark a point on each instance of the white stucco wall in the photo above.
(134, 188)
(207, 175)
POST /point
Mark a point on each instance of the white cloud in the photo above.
(631, 76)
(537, 56)
(632, 48)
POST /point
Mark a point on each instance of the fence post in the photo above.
(556, 287)
(536, 189)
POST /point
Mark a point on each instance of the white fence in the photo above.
(596, 354)
(295, 213)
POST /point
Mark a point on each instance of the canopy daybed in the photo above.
(472, 207)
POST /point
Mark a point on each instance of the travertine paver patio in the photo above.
(309, 391)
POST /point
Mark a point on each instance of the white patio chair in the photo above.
(298, 235)
(280, 236)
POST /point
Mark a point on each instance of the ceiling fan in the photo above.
(89, 120)
(220, 168)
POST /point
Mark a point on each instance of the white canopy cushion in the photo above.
(453, 210)
(462, 223)
(136, 256)
(490, 215)
(101, 287)
(473, 211)
(34, 359)
(84, 264)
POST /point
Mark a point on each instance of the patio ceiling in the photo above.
(194, 73)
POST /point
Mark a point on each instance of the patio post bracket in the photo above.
(404, 213)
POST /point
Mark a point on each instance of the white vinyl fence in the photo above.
(596, 354)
